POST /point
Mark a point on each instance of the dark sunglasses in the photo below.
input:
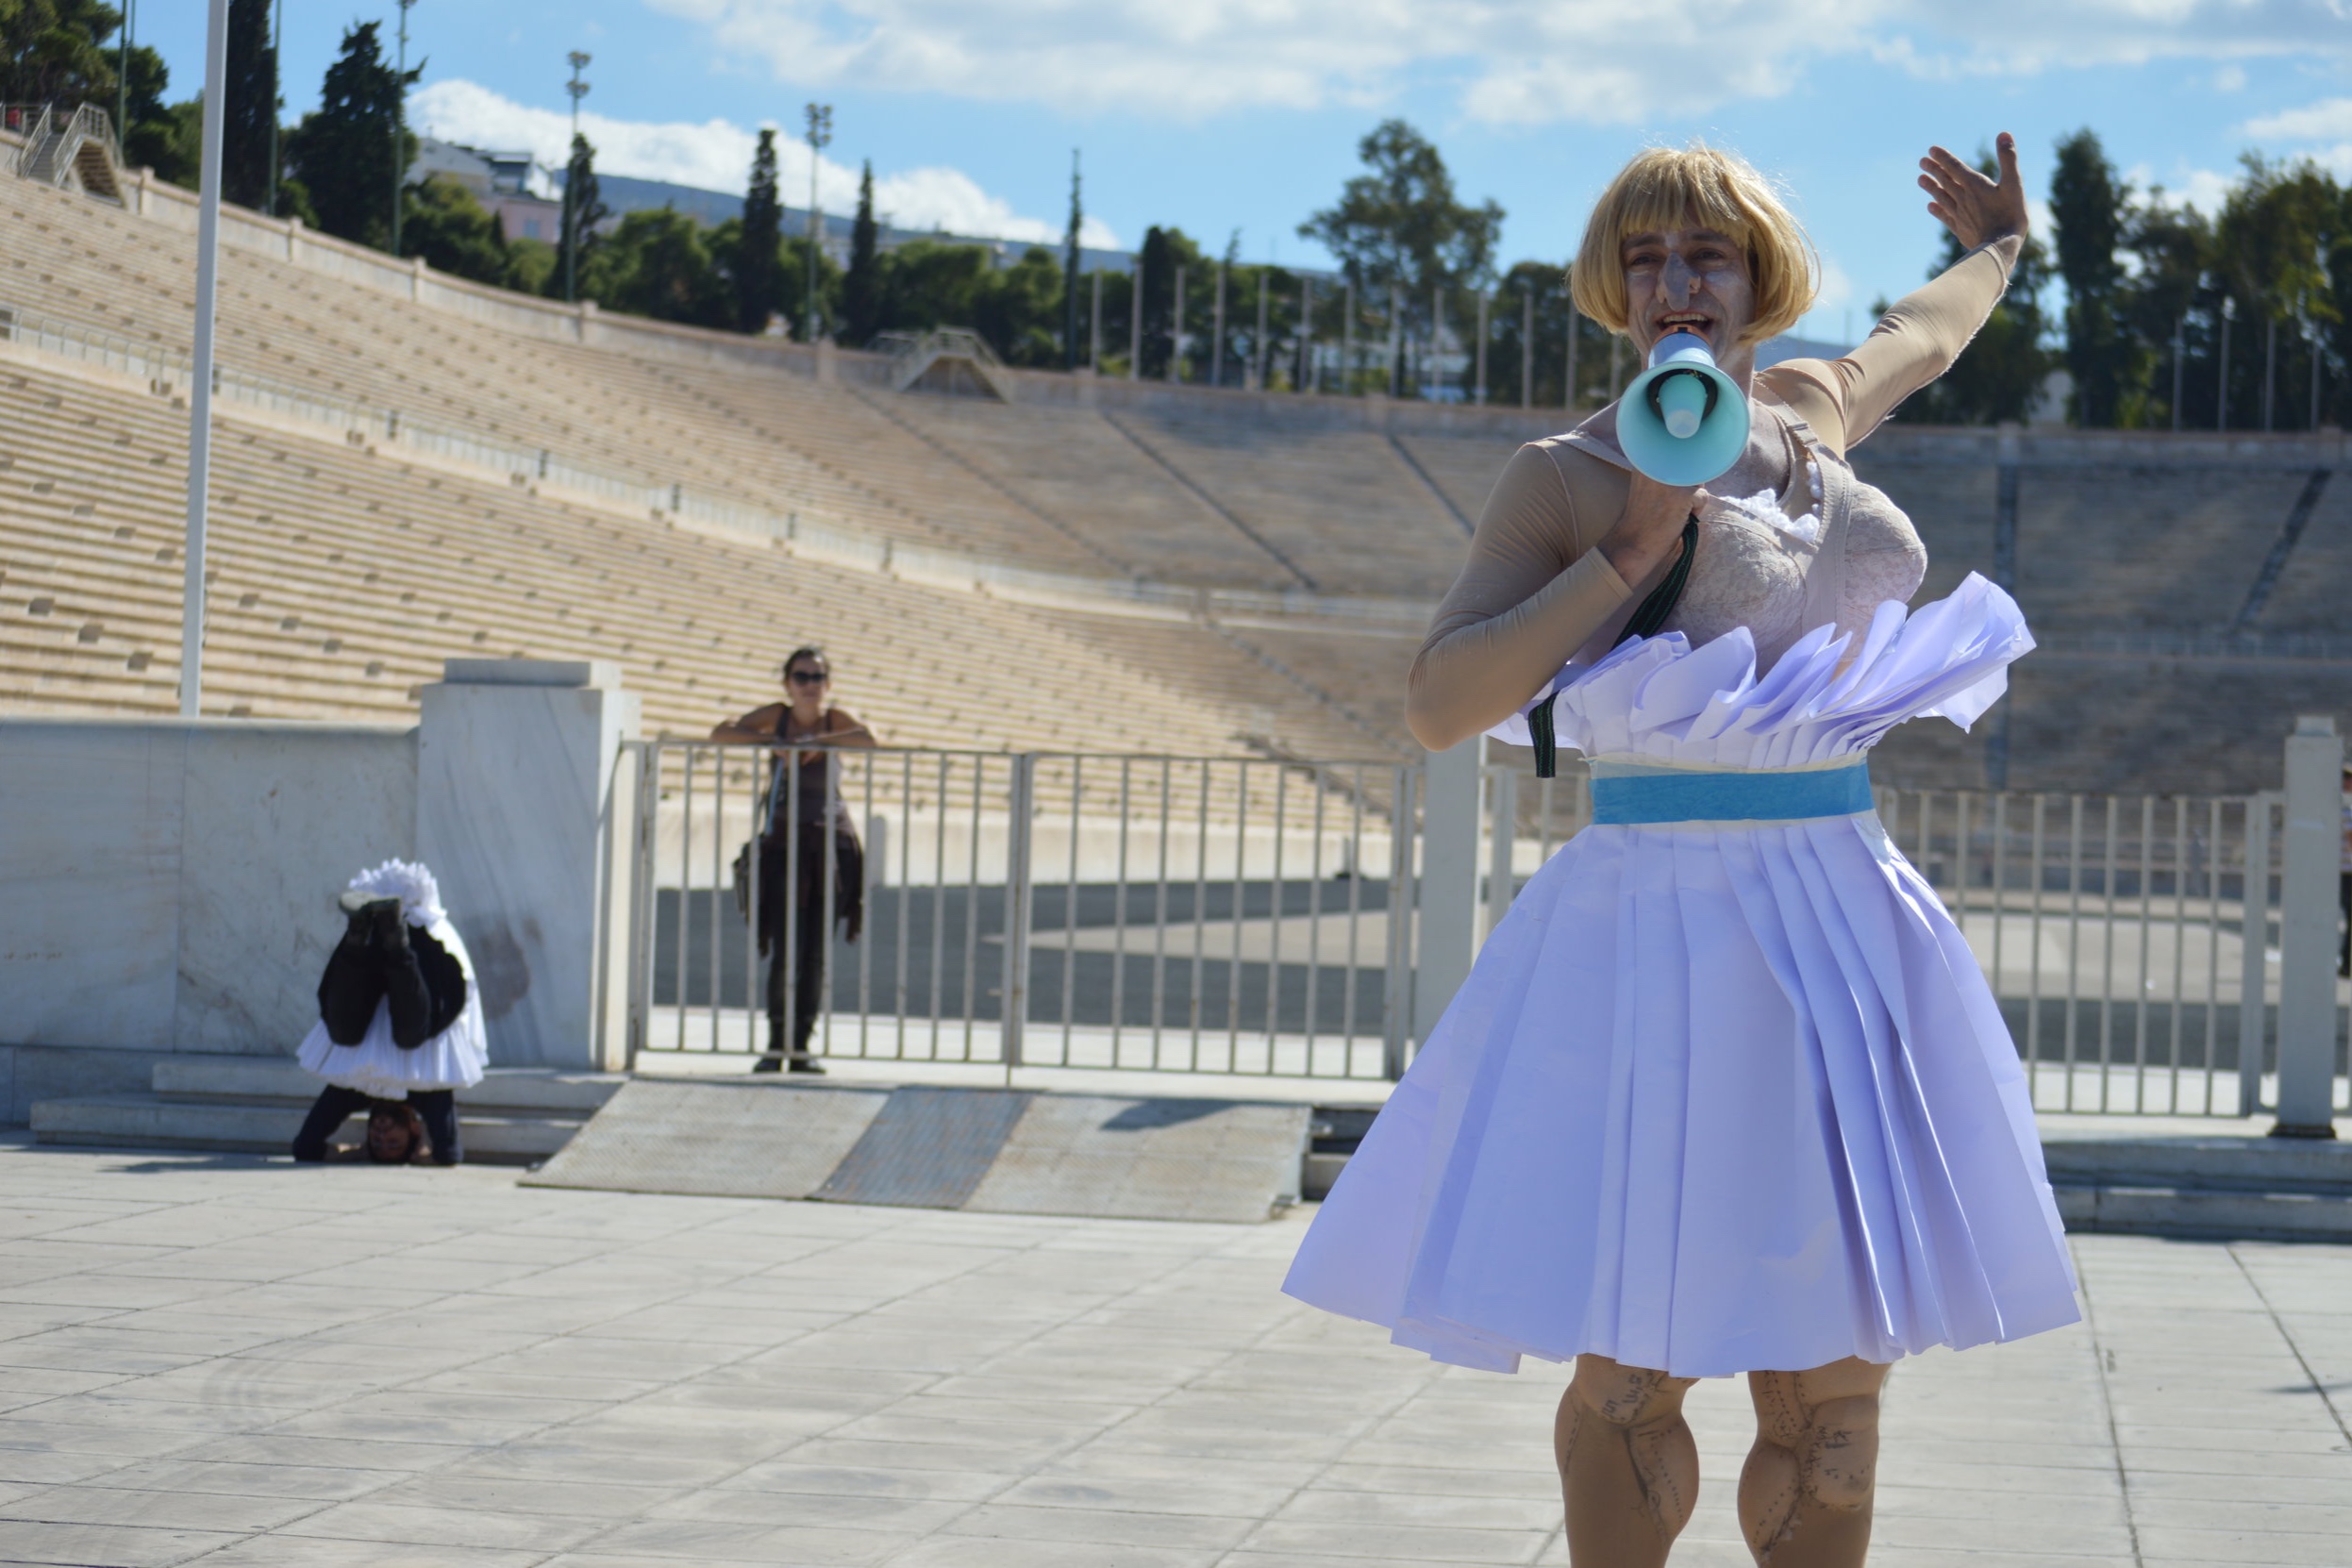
(809, 678)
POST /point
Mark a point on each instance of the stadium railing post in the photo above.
(1020, 811)
(2312, 850)
(1451, 786)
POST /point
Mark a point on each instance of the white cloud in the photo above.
(2229, 78)
(716, 156)
(1519, 62)
(2329, 119)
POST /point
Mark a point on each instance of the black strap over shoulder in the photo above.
(1655, 608)
(1662, 600)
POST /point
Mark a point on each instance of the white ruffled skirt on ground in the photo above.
(1717, 1097)
(453, 1059)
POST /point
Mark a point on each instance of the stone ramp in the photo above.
(991, 1150)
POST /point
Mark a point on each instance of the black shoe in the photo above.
(768, 1064)
(361, 913)
(805, 1064)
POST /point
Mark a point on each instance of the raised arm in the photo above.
(1917, 340)
(1531, 594)
(756, 725)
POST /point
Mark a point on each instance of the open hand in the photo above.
(1977, 211)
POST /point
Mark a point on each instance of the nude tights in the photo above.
(1628, 1468)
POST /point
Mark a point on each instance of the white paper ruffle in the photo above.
(1717, 1099)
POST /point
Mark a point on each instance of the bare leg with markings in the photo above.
(1628, 1467)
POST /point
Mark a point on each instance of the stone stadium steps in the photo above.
(1365, 672)
(514, 1116)
(1074, 465)
(819, 451)
(1463, 468)
(1268, 708)
(2153, 549)
(907, 652)
(2310, 592)
(1342, 504)
(866, 462)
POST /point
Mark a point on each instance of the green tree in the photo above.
(250, 112)
(2163, 305)
(755, 256)
(51, 52)
(2272, 242)
(163, 137)
(454, 234)
(2090, 207)
(584, 211)
(530, 263)
(862, 286)
(1399, 224)
(656, 263)
(795, 276)
(340, 152)
(1018, 308)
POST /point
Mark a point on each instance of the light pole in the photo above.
(400, 123)
(277, 46)
(578, 90)
(820, 137)
(122, 74)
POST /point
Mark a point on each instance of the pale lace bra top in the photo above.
(1760, 552)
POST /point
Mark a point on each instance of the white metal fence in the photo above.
(1223, 915)
(1268, 917)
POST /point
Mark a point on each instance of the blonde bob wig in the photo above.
(1698, 187)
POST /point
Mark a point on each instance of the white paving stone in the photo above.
(234, 1361)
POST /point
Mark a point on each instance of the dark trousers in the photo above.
(357, 976)
(799, 891)
(435, 1108)
(2344, 900)
(806, 986)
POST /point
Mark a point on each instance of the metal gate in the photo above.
(1192, 914)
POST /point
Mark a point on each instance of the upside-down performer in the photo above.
(1725, 1092)
(398, 1018)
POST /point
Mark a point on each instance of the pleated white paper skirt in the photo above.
(1713, 1099)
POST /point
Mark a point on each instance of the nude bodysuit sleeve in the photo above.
(1534, 590)
(1531, 594)
(1916, 342)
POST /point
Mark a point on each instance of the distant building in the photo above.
(512, 186)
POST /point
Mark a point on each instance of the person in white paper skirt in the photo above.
(399, 1017)
(1726, 1091)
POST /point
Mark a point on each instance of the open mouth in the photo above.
(1685, 320)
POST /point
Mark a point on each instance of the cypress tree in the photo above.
(338, 150)
(759, 259)
(2087, 210)
(252, 104)
(1070, 274)
(861, 288)
(1158, 262)
(583, 210)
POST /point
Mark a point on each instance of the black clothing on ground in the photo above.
(398, 963)
(436, 1108)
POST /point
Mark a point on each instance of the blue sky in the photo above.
(1243, 115)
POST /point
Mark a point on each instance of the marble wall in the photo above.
(170, 883)
(517, 787)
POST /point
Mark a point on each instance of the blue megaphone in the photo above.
(1683, 422)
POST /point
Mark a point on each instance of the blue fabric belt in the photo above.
(1677, 794)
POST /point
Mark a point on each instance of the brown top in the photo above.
(1535, 589)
